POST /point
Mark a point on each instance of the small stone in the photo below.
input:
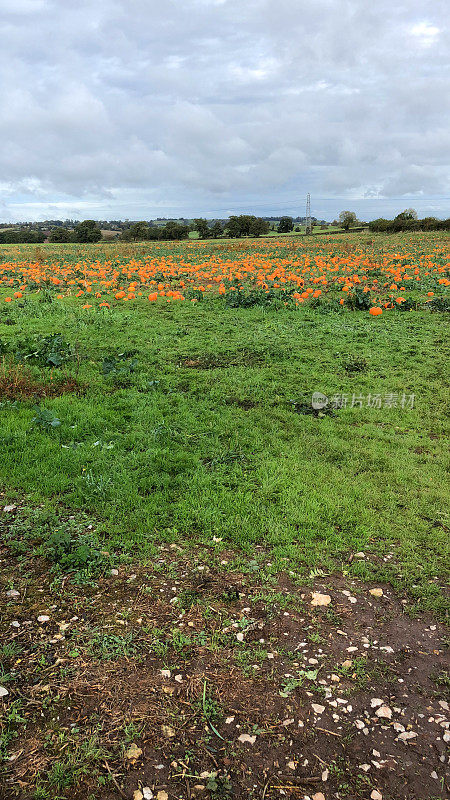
(347, 664)
(375, 702)
(137, 795)
(114, 572)
(291, 764)
(364, 767)
(325, 774)
(9, 508)
(168, 731)
(12, 593)
(244, 737)
(376, 795)
(434, 775)
(229, 720)
(165, 673)
(43, 618)
(162, 796)
(376, 592)
(317, 708)
(3, 691)
(133, 753)
(385, 712)
(147, 792)
(319, 599)
(178, 678)
(406, 736)
(318, 796)
(360, 555)
(240, 636)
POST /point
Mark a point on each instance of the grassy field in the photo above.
(193, 421)
(184, 428)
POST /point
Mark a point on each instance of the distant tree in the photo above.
(87, 231)
(407, 214)
(172, 230)
(286, 225)
(21, 236)
(201, 226)
(429, 223)
(347, 219)
(259, 226)
(246, 225)
(216, 230)
(379, 225)
(60, 235)
(234, 227)
(138, 232)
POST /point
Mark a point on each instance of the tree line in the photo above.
(408, 221)
(235, 227)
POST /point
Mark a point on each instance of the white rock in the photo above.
(229, 720)
(376, 795)
(244, 737)
(12, 593)
(147, 792)
(9, 508)
(43, 618)
(3, 691)
(240, 636)
(114, 572)
(384, 712)
(376, 592)
(317, 708)
(166, 673)
(406, 736)
(319, 599)
(443, 704)
(375, 702)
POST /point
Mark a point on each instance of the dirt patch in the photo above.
(194, 680)
(18, 383)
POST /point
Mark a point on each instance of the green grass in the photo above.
(167, 452)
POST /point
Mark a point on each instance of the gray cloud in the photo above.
(137, 107)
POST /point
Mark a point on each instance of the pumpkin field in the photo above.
(200, 441)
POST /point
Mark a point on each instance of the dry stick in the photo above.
(265, 788)
(121, 792)
(332, 733)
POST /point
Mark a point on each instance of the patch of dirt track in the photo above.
(228, 688)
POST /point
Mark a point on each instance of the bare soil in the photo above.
(221, 687)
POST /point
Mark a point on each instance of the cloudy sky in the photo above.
(143, 108)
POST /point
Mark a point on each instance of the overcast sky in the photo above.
(143, 108)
